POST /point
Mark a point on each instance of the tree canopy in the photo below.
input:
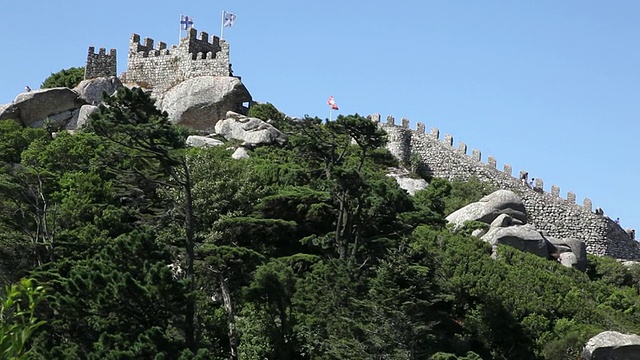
(146, 249)
(70, 78)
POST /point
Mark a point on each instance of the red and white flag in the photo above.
(332, 103)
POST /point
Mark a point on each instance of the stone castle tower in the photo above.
(100, 64)
(161, 68)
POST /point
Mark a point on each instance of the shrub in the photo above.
(70, 78)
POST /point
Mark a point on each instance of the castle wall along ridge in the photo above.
(160, 68)
(560, 218)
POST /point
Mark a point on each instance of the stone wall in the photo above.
(162, 68)
(100, 64)
(561, 218)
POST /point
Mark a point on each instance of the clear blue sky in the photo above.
(548, 86)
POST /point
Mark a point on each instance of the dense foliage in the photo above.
(70, 78)
(150, 250)
(18, 319)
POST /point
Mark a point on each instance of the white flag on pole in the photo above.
(229, 19)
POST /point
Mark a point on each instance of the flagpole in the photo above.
(222, 25)
(330, 113)
(180, 32)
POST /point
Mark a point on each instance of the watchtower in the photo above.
(100, 64)
(160, 68)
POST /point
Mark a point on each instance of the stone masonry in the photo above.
(161, 68)
(100, 64)
(561, 218)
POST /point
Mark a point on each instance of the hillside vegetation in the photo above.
(146, 249)
(70, 78)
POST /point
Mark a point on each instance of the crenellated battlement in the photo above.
(198, 46)
(100, 64)
(560, 217)
(161, 67)
(202, 45)
(475, 154)
(142, 48)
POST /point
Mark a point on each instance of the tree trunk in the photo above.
(231, 318)
(341, 242)
(189, 225)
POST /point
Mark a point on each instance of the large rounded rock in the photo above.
(570, 245)
(556, 246)
(490, 207)
(202, 141)
(200, 102)
(83, 116)
(36, 106)
(576, 247)
(568, 259)
(240, 153)
(9, 111)
(522, 237)
(411, 185)
(91, 90)
(251, 131)
(406, 182)
(503, 220)
(612, 345)
(60, 120)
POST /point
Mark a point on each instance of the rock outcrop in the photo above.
(200, 102)
(32, 108)
(91, 90)
(504, 213)
(490, 207)
(83, 116)
(9, 111)
(240, 153)
(60, 120)
(570, 252)
(251, 131)
(522, 237)
(612, 345)
(202, 141)
(407, 183)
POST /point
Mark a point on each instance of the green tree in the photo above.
(233, 241)
(104, 247)
(466, 192)
(433, 199)
(70, 78)
(328, 322)
(271, 292)
(331, 155)
(16, 139)
(26, 210)
(403, 308)
(18, 320)
(117, 299)
(131, 120)
(609, 271)
(228, 267)
(19, 190)
(268, 112)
